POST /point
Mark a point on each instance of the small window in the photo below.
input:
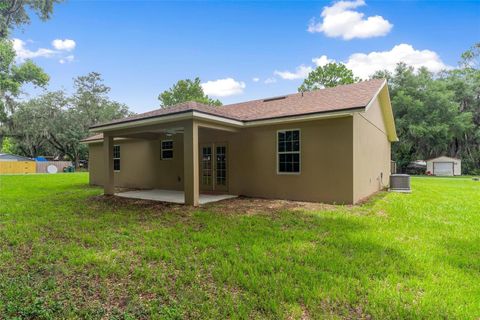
(116, 158)
(288, 151)
(167, 149)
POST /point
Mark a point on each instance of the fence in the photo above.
(393, 167)
(42, 165)
(12, 167)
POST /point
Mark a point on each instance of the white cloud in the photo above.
(67, 59)
(364, 65)
(301, 72)
(64, 45)
(223, 87)
(270, 80)
(255, 79)
(23, 52)
(339, 20)
(322, 61)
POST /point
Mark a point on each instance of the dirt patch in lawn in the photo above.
(117, 203)
(252, 206)
(236, 206)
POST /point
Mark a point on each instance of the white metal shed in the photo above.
(444, 166)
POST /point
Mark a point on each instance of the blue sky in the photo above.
(255, 49)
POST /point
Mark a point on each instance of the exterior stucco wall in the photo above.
(137, 163)
(169, 173)
(326, 162)
(95, 164)
(372, 153)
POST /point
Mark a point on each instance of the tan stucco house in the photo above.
(330, 145)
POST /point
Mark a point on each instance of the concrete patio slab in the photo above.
(172, 196)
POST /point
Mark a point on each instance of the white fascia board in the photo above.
(217, 119)
(169, 118)
(376, 95)
(309, 117)
(144, 122)
(225, 121)
(101, 140)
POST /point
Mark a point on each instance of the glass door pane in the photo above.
(221, 166)
(207, 171)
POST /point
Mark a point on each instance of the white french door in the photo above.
(214, 167)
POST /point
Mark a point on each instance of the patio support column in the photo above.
(108, 184)
(190, 163)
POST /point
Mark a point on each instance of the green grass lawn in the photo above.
(66, 252)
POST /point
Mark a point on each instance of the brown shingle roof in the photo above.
(94, 138)
(339, 98)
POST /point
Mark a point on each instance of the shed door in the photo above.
(443, 168)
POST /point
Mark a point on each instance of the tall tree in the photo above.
(186, 90)
(13, 76)
(15, 13)
(61, 122)
(470, 59)
(7, 146)
(89, 105)
(91, 100)
(464, 81)
(330, 75)
(66, 125)
(31, 124)
(427, 116)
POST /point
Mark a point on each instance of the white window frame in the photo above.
(161, 149)
(286, 152)
(120, 161)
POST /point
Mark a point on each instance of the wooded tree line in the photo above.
(435, 113)
(54, 123)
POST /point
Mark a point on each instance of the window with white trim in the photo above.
(167, 149)
(116, 158)
(288, 151)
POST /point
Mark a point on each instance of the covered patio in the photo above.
(172, 196)
(188, 129)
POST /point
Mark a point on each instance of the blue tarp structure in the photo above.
(40, 159)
